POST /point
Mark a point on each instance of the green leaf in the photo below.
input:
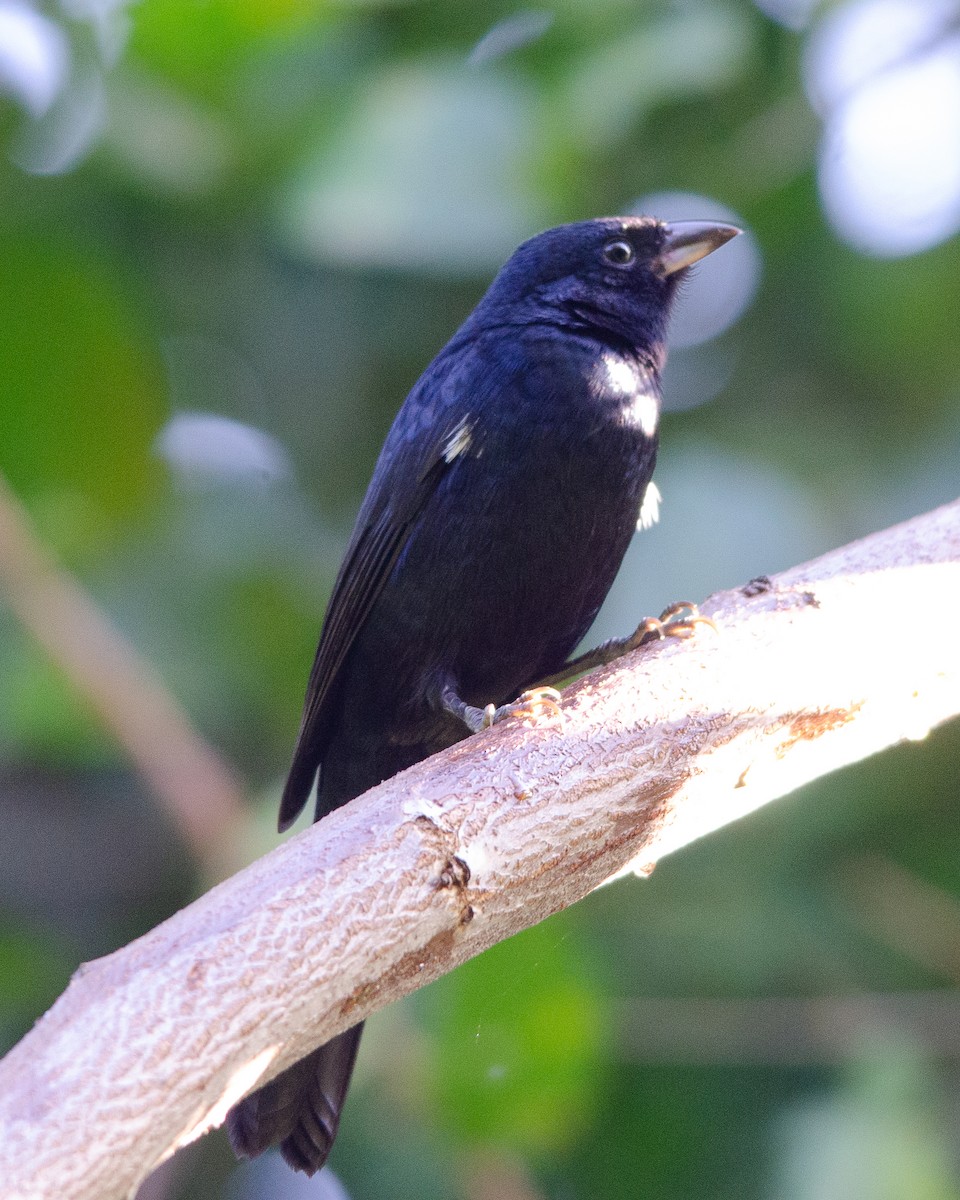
(81, 383)
(520, 1043)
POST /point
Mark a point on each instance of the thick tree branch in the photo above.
(149, 1046)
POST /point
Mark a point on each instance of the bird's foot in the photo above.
(532, 703)
(679, 620)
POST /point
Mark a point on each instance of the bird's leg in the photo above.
(679, 620)
(528, 704)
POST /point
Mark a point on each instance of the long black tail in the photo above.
(300, 1109)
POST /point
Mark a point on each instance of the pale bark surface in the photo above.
(149, 1046)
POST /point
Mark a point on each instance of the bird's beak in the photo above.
(686, 242)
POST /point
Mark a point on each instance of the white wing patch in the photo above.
(650, 507)
(458, 441)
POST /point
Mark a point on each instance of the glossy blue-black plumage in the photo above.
(506, 565)
(499, 511)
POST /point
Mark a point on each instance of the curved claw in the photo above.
(531, 703)
(682, 618)
(678, 620)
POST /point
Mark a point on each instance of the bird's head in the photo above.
(615, 274)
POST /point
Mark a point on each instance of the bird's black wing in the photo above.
(426, 439)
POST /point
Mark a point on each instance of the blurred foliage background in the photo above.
(232, 233)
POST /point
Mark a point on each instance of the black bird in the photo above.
(502, 503)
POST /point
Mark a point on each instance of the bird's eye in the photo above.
(620, 254)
